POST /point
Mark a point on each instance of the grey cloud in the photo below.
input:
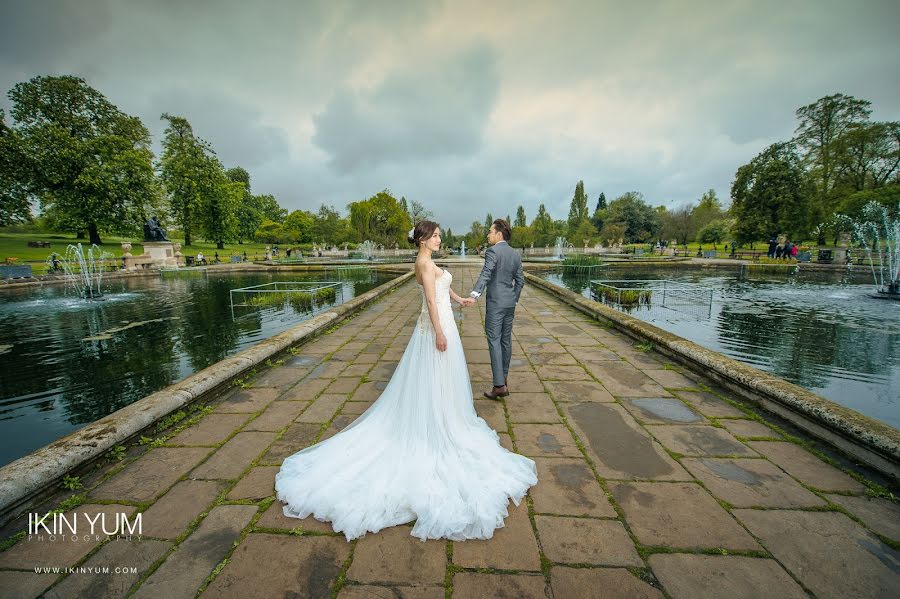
(427, 111)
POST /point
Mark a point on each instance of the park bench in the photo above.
(746, 255)
(38, 244)
(709, 253)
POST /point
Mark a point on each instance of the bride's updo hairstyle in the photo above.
(421, 232)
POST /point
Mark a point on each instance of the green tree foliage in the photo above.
(269, 208)
(868, 157)
(522, 236)
(328, 226)
(477, 235)
(584, 233)
(714, 231)
(249, 216)
(219, 201)
(708, 209)
(15, 207)
(488, 221)
(578, 209)
(821, 126)
(418, 212)
(640, 221)
(771, 195)
(88, 163)
(520, 218)
(381, 218)
(612, 233)
(270, 231)
(543, 227)
(678, 224)
(298, 226)
(601, 202)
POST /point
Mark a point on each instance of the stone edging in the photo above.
(863, 438)
(30, 475)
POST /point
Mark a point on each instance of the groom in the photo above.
(502, 275)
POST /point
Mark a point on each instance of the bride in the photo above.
(420, 452)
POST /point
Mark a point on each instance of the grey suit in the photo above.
(503, 278)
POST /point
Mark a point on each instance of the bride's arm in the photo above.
(428, 282)
(456, 298)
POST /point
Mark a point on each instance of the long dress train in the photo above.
(420, 452)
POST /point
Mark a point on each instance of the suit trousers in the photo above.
(498, 328)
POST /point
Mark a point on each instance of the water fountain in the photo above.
(367, 249)
(560, 244)
(83, 270)
(879, 235)
(462, 250)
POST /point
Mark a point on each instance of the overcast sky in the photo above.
(464, 107)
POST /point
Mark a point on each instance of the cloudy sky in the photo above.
(468, 107)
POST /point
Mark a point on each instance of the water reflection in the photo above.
(818, 329)
(66, 362)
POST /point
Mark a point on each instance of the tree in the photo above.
(520, 217)
(219, 201)
(249, 216)
(522, 236)
(329, 226)
(578, 208)
(404, 206)
(678, 224)
(601, 202)
(868, 156)
(612, 233)
(477, 235)
(714, 232)
(640, 221)
(771, 195)
(182, 167)
(269, 232)
(418, 212)
(15, 206)
(488, 221)
(584, 233)
(543, 227)
(298, 226)
(822, 124)
(381, 218)
(88, 163)
(268, 206)
(707, 210)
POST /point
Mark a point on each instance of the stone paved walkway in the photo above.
(651, 484)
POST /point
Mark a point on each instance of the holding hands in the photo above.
(466, 302)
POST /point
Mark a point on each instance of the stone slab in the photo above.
(277, 416)
(599, 583)
(369, 591)
(881, 515)
(296, 437)
(679, 515)
(295, 566)
(206, 546)
(555, 372)
(306, 391)
(25, 585)
(322, 409)
(118, 552)
(829, 553)
(686, 576)
(662, 410)
(171, 514)
(393, 556)
(531, 407)
(545, 440)
(577, 391)
(151, 474)
(211, 430)
(806, 467)
(274, 517)
(748, 428)
(671, 379)
(513, 547)
(230, 460)
(568, 486)
(709, 405)
(618, 446)
(257, 484)
(624, 380)
(586, 541)
(474, 585)
(750, 483)
(343, 385)
(698, 440)
(247, 401)
(492, 412)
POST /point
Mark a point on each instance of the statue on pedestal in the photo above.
(153, 231)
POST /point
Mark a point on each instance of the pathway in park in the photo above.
(652, 483)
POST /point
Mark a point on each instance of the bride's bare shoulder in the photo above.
(426, 269)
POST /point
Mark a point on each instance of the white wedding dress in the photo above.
(420, 452)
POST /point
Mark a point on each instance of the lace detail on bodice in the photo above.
(442, 297)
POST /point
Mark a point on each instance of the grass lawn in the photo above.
(15, 245)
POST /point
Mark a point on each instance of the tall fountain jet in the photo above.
(560, 244)
(84, 270)
(462, 250)
(879, 235)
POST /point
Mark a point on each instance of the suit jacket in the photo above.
(502, 276)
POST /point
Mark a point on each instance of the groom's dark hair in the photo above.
(502, 227)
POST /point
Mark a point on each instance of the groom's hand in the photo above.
(468, 301)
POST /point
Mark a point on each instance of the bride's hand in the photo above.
(441, 342)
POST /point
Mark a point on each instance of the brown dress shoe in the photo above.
(496, 392)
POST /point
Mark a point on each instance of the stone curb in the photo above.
(29, 476)
(857, 435)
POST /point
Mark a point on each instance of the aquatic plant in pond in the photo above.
(300, 301)
(879, 236)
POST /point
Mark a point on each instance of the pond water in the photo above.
(67, 362)
(821, 330)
